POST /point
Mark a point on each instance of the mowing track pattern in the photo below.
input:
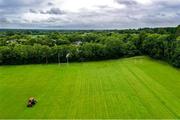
(136, 87)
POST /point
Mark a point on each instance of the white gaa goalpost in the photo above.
(67, 57)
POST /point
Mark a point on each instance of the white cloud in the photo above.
(34, 17)
(144, 2)
(90, 13)
(77, 5)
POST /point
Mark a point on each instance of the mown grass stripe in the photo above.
(142, 79)
(125, 88)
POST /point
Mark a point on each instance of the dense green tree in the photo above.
(132, 45)
(115, 47)
(153, 46)
(139, 43)
(176, 57)
(89, 37)
(92, 51)
(21, 53)
(7, 55)
(38, 46)
(178, 31)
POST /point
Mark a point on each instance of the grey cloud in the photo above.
(4, 21)
(55, 11)
(14, 8)
(103, 6)
(133, 17)
(50, 4)
(42, 12)
(20, 3)
(55, 20)
(178, 14)
(159, 13)
(49, 20)
(32, 11)
(52, 11)
(127, 2)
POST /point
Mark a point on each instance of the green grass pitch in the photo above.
(137, 87)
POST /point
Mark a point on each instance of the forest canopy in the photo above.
(52, 46)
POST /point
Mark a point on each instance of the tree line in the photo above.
(31, 47)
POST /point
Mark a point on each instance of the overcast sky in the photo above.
(89, 14)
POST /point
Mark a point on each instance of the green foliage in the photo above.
(92, 51)
(176, 58)
(26, 47)
(133, 45)
(178, 31)
(153, 46)
(178, 38)
(115, 47)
